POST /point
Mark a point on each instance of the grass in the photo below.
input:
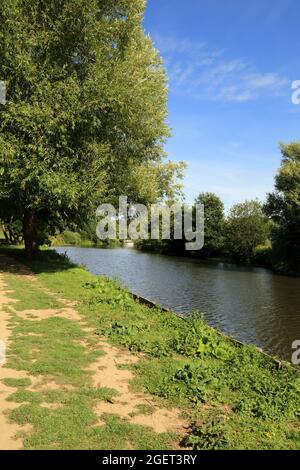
(59, 351)
(234, 397)
(29, 295)
(73, 426)
(50, 347)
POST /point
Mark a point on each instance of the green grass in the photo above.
(29, 296)
(74, 426)
(60, 351)
(17, 383)
(234, 397)
(143, 409)
(50, 347)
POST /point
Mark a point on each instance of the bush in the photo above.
(71, 238)
(263, 256)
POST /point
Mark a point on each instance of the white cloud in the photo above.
(203, 72)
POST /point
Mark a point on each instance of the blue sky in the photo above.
(231, 65)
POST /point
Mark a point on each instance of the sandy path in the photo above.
(128, 404)
(7, 430)
(106, 371)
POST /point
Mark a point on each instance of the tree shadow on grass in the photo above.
(48, 261)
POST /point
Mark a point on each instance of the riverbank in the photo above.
(250, 304)
(224, 396)
(262, 258)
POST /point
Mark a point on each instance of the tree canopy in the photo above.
(85, 110)
(247, 227)
(283, 206)
(214, 224)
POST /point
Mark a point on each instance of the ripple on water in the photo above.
(251, 304)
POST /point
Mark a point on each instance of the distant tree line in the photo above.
(252, 233)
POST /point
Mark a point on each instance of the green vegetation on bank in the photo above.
(252, 232)
(68, 238)
(242, 237)
(234, 397)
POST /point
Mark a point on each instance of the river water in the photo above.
(251, 304)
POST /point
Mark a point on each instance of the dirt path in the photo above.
(7, 430)
(107, 373)
(107, 370)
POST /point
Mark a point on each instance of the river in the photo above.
(251, 304)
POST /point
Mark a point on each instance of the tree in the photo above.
(214, 221)
(157, 182)
(86, 104)
(283, 206)
(12, 231)
(247, 227)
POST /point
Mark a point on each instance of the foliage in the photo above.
(246, 228)
(208, 436)
(71, 238)
(214, 220)
(86, 108)
(157, 182)
(283, 206)
(12, 229)
(264, 255)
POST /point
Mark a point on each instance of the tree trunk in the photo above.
(5, 233)
(29, 234)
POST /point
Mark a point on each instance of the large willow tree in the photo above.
(86, 107)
